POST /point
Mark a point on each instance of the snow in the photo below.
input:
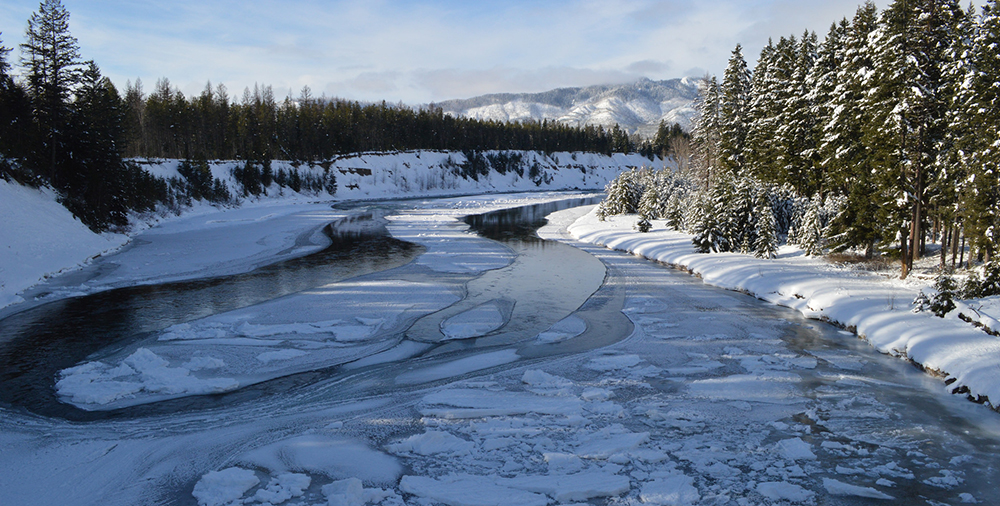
(782, 490)
(330, 456)
(217, 488)
(675, 490)
(874, 307)
(42, 239)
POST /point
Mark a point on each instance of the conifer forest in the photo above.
(876, 140)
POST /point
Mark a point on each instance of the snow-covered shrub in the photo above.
(643, 225)
(942, 301)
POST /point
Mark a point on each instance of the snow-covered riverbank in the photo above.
(877, 308)
(39, 238)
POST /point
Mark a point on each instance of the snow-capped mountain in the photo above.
(636, 107)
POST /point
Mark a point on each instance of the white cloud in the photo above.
(418, 51)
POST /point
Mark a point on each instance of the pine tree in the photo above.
(810, 232)
(94, 186)
(845, 157)
(52, 60)
(766, 238)
(980, 195)
(909, 104)
(15, 120)
(733, 109)
(707, 130)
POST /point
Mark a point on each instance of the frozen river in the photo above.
(425, 352)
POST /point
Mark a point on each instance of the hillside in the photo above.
(636, 107)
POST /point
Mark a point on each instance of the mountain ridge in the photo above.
(637, 107)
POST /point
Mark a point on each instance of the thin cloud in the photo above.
(421, 51)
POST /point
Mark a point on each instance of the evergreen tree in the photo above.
(980, 194)
(707, 130)
(909, 104)
(51, 58)
(810, 232)
(94, 188)
(844, 156)
(733, 109)
(765, 234)
(15, 121)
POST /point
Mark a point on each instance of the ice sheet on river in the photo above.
(314, 329)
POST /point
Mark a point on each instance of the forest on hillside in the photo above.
(877, 140)
(66, 125)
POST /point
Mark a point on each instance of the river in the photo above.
(686, 391)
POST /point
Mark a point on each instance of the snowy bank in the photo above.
(876, 308)
(39, 238)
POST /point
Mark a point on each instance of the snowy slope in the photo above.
(39, 237)
(876, 308)
(638, 106)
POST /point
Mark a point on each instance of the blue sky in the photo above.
(420, 51)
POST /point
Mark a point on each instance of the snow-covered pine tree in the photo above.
(623, 194)
(980, 196)
(674, 214)
(810, 233)
(846, 159)
(797, 133)
(735, 93)
(765, 86)
(908, 104)
(707, 226)
(650, 207)
(766, 237)
(953, 162)
(707, 131)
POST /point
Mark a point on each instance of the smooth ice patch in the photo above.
(768, 387)
(835, 487)
(476, 403)
(573, 487)
(478, 321)
(610, 441)
(613, 362)
(795, 449)
(270, 356)
(564, 329)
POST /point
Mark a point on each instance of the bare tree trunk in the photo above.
(954, 244)
(904, 256)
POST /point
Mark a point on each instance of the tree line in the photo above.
(893, 113)
(66, 125)
(167, 124)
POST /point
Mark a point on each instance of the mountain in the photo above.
(636, 107)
